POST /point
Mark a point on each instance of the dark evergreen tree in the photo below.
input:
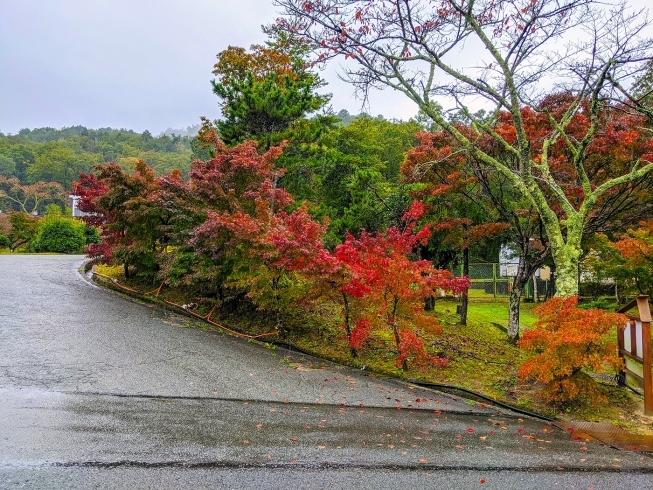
(264, 91)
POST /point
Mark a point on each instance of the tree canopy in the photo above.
(413, 47)
(263, 92)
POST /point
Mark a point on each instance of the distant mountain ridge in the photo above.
(189, 131)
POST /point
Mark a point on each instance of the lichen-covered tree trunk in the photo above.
(517, 292)
(525, 269)
(566, 261)
(464, 305)
(513, 313)
(566, 256)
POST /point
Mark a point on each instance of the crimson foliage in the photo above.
(230, 227)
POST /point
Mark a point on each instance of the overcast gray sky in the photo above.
(136, 64)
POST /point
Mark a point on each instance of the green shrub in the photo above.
(602, 303)
(59, 234)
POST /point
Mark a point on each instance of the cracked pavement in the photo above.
(100, 391)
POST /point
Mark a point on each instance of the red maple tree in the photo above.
(396, 284)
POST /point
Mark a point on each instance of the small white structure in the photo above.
(508, 261)
(72, 203)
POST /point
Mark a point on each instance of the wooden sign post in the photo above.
(635, 349)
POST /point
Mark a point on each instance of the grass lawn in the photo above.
(497, 312)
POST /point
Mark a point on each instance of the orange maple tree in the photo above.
(636, 246)
(566, 341)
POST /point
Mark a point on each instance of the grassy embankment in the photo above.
(479, 356)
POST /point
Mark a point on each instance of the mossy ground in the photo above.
(480, 358)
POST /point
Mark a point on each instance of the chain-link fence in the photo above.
(493, 279)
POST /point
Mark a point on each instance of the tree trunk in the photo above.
(280, 327)
(429, 303)
(395, 332)
(551, 289)
(464, 304)
(525, 269)
(518, 286)
(404, 363)
(345, 303)
(513, 313)
(392, 321)
(566, 261)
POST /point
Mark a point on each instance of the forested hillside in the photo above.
(59, 155)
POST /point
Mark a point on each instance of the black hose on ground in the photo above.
(622, 382)
(440, 386)
(507, 406)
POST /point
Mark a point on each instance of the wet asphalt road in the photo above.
(97, 391)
